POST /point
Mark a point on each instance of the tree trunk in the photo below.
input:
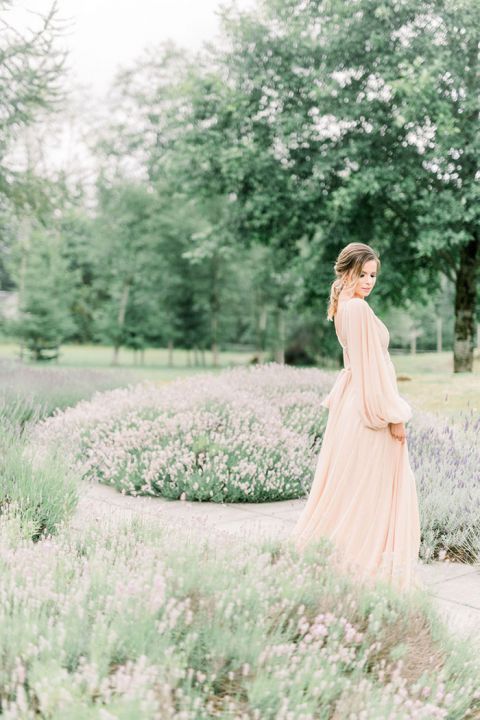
(121, 318)
(439, 335)
(280, 336)
(170, 353)
(465, 306)
(24, 237)
(123, 305)
(261, 333)
(214, 329)
(214, 307)
(214, 342)
(413, 342)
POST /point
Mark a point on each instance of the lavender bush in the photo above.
(124, 623)
(43, 499)
(28, 393)
(249, 434)
(445, 458)
(43, 496)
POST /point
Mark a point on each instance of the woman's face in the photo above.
(367, 280)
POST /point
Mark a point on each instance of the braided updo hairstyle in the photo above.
(348, 268)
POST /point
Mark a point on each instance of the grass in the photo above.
(426, 379)
(430, 384)
(155, 368)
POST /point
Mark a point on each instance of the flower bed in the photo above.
(445, 458)
(253, 435)
(250, 434)
(124, 622)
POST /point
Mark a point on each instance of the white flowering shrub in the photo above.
(248, 434)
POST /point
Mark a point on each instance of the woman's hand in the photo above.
(397, 431)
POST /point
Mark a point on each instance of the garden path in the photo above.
(455, 587)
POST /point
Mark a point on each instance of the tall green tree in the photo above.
(404, 80)
(78, 230)
(341, 120)
(121, 258)
(147, 133)
(45, 321)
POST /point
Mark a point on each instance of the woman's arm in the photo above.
(373, 379)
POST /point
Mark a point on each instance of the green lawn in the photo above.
(430, 384)
(427, 380)
(155, 368)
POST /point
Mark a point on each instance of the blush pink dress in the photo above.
(363, 496)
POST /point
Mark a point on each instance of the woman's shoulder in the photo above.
(355, 306)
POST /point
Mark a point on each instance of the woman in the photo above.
(363, 497)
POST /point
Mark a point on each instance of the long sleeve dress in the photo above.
(363, 496)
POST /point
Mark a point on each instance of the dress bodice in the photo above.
(383, 334)
(368, 370)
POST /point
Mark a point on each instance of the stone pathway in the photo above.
(455, 587)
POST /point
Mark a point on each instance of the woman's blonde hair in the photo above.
(348, 268)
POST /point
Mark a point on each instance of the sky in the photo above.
(103, 35)
(100, 35)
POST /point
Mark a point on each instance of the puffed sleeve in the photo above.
(373, 374)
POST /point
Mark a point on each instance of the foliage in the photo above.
(193, 266)
(445, 460)
(122, 257)
(31, 68)
(45, 320)
(121, 621)
(341, 121)
(42, 498)
(79, 249)
(229, 179)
